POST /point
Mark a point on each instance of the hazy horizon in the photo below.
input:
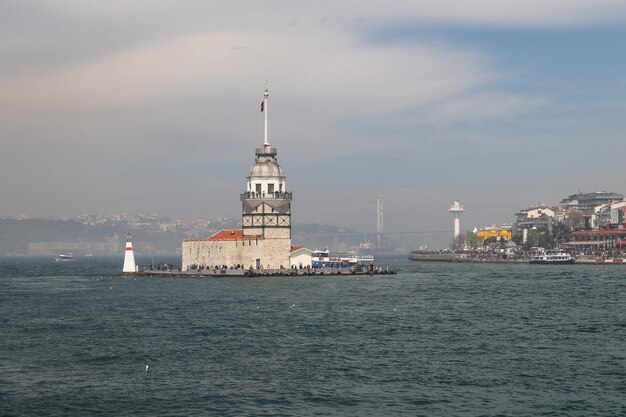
(153, 107)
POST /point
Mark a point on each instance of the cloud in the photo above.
(504, 12)
(174, 86)
(479, 107)
(206, 79)
(218, 51)
(302, 14)
(320, 66)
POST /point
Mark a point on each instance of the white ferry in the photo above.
(64, 257)
(326, 259)
(551, 257)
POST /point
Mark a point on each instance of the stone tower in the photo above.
(266, 202)
(264, 240)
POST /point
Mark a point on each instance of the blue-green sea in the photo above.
(437, 339)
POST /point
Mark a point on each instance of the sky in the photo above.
(152, 106)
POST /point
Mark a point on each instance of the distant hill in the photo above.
(17, 235)
(52, 236)
(151, 235)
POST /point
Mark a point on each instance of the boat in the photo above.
(325, 259)
(64, 257)
(551, 257)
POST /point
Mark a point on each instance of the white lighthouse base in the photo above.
(129, 260)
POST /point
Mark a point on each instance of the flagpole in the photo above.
(266, 94)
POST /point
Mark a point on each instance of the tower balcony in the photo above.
(266, 151)
(251, 195)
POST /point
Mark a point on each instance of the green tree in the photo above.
(542, 237)
(467, 239)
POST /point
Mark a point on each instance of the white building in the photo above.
(609, 214)
(301, 256)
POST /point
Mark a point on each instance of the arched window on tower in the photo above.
(270, 188)
(258, 188)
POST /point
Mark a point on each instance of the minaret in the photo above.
(266, 202)
(129, 258)
(456, 209)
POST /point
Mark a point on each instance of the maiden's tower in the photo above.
(264, 241)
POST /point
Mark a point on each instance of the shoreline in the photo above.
(446, 257)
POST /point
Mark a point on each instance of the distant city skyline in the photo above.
(153, 107)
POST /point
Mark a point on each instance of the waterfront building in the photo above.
(582, 201)
(610, 216)
(535, 216)
(264, 241)
(588, 210)
(597, 240)
(494, 232)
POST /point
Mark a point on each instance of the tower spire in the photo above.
(266, 94)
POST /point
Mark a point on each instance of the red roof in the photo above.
(233, 234)
(296, 248)
(599, 232)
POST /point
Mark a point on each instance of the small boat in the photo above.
(551, 257)
(64, 257)
(326, 259)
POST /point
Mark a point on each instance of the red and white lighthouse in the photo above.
(129, 257)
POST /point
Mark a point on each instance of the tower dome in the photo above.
(266, 176)
(268, 168)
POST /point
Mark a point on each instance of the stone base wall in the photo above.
(273, 252)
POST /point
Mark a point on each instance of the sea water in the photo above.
(437, 339)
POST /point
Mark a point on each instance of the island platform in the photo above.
(301, 272)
